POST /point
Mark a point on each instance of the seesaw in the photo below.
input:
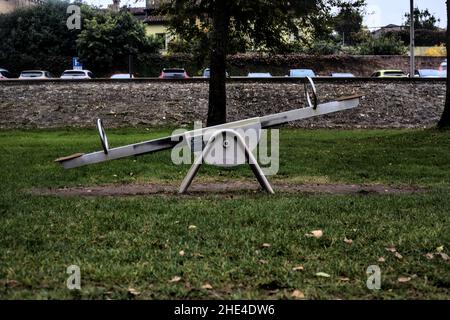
(223, 145)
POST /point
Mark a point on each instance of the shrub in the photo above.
(384, 45)
(423, 37)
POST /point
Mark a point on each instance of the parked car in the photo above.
(174, 74)
(389, 74)
(301, 73)
(77, 74)
(4, 74)
(122, 76)
(429, 73)
(35, 75)
(259, 75)
(443, 66)
(342, 75)
(207, 73)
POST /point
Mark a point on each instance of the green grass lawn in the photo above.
(135, 242)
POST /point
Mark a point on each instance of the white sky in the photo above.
(385, 12)
(379, 12)
(105, 3)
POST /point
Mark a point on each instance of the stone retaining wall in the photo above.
(147, 102)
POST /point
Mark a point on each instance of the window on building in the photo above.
(162, 36)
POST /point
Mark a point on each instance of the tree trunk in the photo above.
(445, 119)
(217, 108)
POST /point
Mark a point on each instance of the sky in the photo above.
(379, 12)
(384, 12)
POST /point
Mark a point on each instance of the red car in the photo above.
(173, 74)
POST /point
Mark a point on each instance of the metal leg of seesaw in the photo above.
(250, 158)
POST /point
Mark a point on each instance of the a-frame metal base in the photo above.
(250, 159)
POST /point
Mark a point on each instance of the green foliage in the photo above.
(348, 22)
(254, 25)
(107, 40)
(134, 242)
(423, 19)
(37, 38)
(384, 45)
(423, 37)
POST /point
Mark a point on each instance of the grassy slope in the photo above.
(135, 242)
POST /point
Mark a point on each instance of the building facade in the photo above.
(156, 25)
(11, 5)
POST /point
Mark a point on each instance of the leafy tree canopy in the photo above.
(253, 24)
(38, 38)
(423, 19)
(348, 22)
(107, 40)
(264, 25)
(32, 37)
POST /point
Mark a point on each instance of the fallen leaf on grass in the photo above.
(344, 279)
(133, 292)
(381, 259)
(429, 256)
(444, 256)
(315, 233)
(12, 283)
(298, 268)
(398, 256)
(207, 286)
(266, 245)
(348, 241)
(297, 294)
(440, 249)
(263, 261)
(175, 279)
(322, 274)
(192, 227)
(181, 253)
(404, 279)
(394, 251)
(198, 255)
(391, 249)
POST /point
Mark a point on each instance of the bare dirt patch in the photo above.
(224, 188)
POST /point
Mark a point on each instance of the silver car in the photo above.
(302, 73)
(4, 74)
(35, 75)
(342, 75)
(259, 75)
(122, 76)
(430, 73)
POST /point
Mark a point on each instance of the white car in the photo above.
(4, 74)
(443, 66)
(35, 75)
(77, 74)
(301, 73)
(122, 76)
(430, 73)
